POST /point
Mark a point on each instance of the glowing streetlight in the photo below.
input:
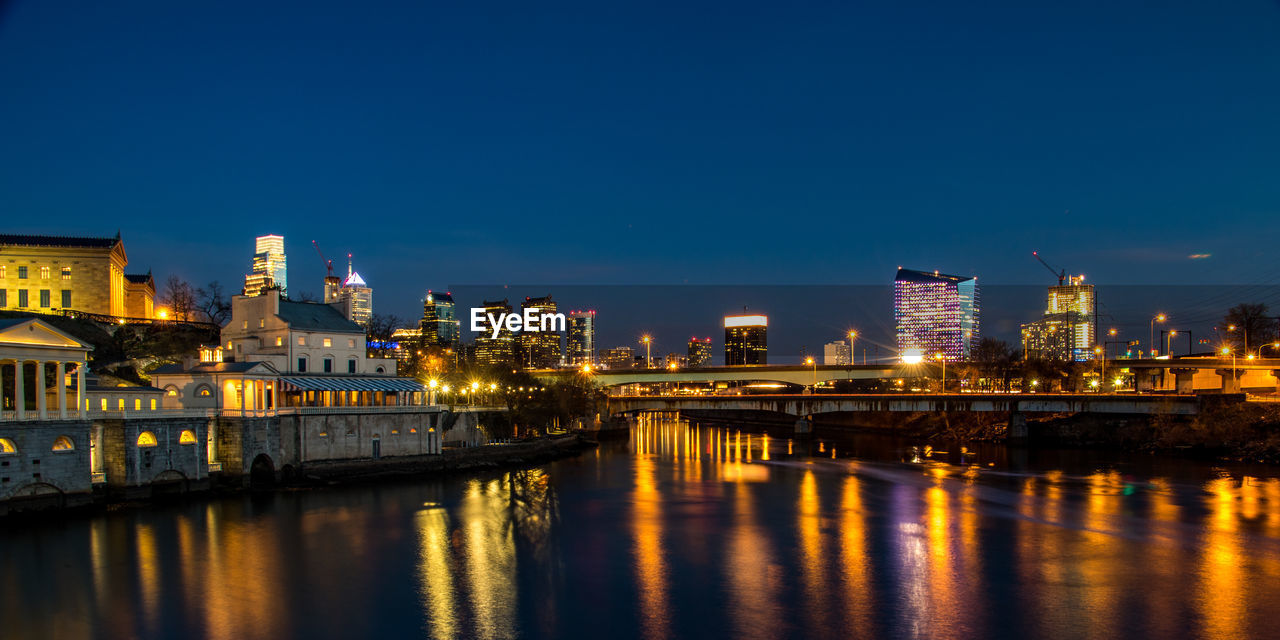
(853, 335)
(648, 342)
(810, 361)
(1159, 317)
(432, 384)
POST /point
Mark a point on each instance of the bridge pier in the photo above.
(1182, 380)
(1018, 430)
(1230, 379)
(804, 426)
(1144, 380)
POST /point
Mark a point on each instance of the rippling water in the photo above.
(685, 531)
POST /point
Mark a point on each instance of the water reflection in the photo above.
(685, 530)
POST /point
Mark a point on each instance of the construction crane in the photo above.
(328, 264)
(1060, 273)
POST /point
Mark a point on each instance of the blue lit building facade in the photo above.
(935, 313)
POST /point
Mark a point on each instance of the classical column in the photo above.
(41, 409)
(1, 390)
(80, 396)
(62, 389)
(19, 391)
(244, 396)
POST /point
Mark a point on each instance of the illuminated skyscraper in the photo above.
(581, 344)
(836, 353)
(268, 269)
(1068, 330)
(356, 296)
(499, 351)
(439, 324)
(540, 349)
(935, 313)
(699, 352)
(618, 358)
(746, 340)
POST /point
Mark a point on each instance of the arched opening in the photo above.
(169, 482)
(187, 437)
(171, 391)
(262, 473)
(204, 391)
(147, 439)
(63, 443)
(7, 447)
(288, 473)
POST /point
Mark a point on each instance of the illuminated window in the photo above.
(324, 434)
(104, 404)
(66, 273)
(3, 270)
(137, 404)
(279, 341)
(63, 443)
(302, 341)
(204, 391)
(187, 437)
(44, 273)
(7, 448)
(244, 324)
(171, 391)
(262, 322)
(395, 432)
(351, 343)
(153, 404)
(413, 429)
(147, 439)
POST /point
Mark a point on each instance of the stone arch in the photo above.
(37, 495)
(147, 439)
(203, 391)
(7, 447)
(262, 473)
(171, 391)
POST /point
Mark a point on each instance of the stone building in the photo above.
(46, 273)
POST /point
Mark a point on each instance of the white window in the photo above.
(302, 341)
(328, 342)
(351, 343)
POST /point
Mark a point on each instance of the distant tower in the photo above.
(357, 295)
(439, 326)
(746, 340)
(699, 352)
(581, 345)
(540, 349)
(935, 313)
(269, 268)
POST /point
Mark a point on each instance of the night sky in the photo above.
(645, 143)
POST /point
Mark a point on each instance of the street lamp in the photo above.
(943, 358)
(853, 335)
(1225, 351)
(1159, 317)
(810, 360)
(1098, 351)
(432, 384)
(647, 340)
(1273, 345)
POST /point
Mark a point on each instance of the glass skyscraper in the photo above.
(935, 313)
(268, 269)
(581, 344)
(439, 324)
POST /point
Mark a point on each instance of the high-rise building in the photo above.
(355, 296)
(746, 340)
(836, 353)
(935, 313)
(618, 358)
(580, 346)
(1068, 330)
(269, 269)
(499, 351)
(540, 349)
(439, 324)
(699, 352)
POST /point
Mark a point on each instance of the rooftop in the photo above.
(59, 241)
(315, 316)
(911, 275)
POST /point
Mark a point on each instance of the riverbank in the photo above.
(320, 474)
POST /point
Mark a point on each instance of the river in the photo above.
(683, 531)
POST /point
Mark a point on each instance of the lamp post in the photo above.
(648, 341)
(1228, 350)
(1273, 345)
(942, 357)
(813, 362)
(853, 335)
(431, 396)
(1159, 317)
(1102, 357)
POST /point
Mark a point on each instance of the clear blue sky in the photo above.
(606, 142)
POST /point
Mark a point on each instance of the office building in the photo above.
(355, 297)
(935, 313)
(439, 323)
(499, 351)
(836, 353)
(617, 358)
(268, 270)
(540, 349)
(580, 345)
(699, 352)
(746, 340)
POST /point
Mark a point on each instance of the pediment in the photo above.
(37, 333)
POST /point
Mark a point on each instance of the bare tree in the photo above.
(1247, 327)
(212, 303)
(180, 297)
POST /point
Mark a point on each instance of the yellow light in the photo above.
(475, 385)
(1093, 383)
(912, 358)
(492, 386)
(1173, 332)
(433, 383)
(808, 360)
(586, 368)
(1226, 350)
(1251, 356)
(1119, 382)
(1035, 382)
(163, 314)
(1111, 332)
(1160, 318)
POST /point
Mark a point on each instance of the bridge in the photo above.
(804, 407)
(1183, 375)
